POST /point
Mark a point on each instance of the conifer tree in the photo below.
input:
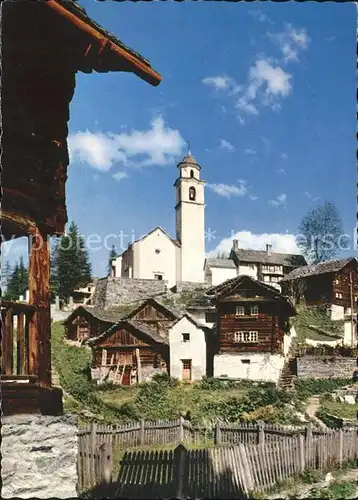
(71, 267)
(18, 282)
(112, 255)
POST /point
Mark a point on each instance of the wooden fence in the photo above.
(165, 432)
(248, 457)
(229, 472)
(94, 462)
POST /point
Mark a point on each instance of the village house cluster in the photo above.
(238, 329)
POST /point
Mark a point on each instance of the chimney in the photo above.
(235, 244)
(268, 248)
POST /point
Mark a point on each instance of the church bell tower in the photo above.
(190, 224)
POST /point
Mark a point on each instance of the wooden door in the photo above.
(127, 376)
(186, 369)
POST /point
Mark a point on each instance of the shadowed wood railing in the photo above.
(15, 341)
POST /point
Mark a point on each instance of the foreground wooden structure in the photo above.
(234, 471)
(43, 45)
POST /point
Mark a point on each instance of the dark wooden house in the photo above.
(128, 353)
(136, 347)
(43, 45)
(252, 323)
(88, 322)
(333, 282)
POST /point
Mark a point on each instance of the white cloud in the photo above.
(284, 156)
(283, 243)
(229, 190)
(280, 200)
(260, 16)
(224, 144)
(265, 86)
(312, 198)
(218, 82)
(253, 197)
(281, 171)
(159, 145)
(118, 176)
(291, 41)
(249, 151)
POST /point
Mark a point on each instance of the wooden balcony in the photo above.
(23, 388)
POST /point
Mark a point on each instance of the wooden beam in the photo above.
(139, 67)
(40, 324)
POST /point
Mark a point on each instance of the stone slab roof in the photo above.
(331, 266)
(274, 258)
(220, 263)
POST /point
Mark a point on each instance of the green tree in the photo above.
(321, 231)
(112, 255)
(6, 273)
(71, 267)
(18, 282)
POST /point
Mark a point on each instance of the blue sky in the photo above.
(264, 92)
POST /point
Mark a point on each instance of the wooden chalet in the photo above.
(87, 322)
(332, 282)
(251, 316)
(128, 353)
(43, 45)
(136, 347)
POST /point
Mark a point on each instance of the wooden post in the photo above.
(139, 366)
(39, 295)
(340, 447)
(180, 459)
(301, 450)
(7, 343)
(105, 451)
(248, 481)
(309, 442)
(20, 345)
(142, 432)
(218, 434)
(181, 429)
(260, 433)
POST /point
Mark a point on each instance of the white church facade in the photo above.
(156, 255)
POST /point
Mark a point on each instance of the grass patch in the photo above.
(306, 388)
(340, 410)
(315, 316)
(335, 491)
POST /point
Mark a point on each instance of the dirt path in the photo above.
(313, 405)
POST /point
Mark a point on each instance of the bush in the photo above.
(164, 380)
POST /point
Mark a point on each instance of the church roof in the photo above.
(176, 242)
(189, 160)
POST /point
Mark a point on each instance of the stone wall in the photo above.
(119, 291)
(320, 367)
(39, 456)
(188, 286)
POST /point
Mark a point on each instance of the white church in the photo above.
(157, 256)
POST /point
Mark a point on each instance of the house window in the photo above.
(336, 282)
(251, 266)
(185, 337)
(210, 317)
(254, 310)
(192, 193)
(274, 279)
(89, 289)
(338, 295)
(158, 277)
(245, 361)
(267, 279)
(240, 311)
(245, 337)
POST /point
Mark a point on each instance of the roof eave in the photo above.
(140, 68)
